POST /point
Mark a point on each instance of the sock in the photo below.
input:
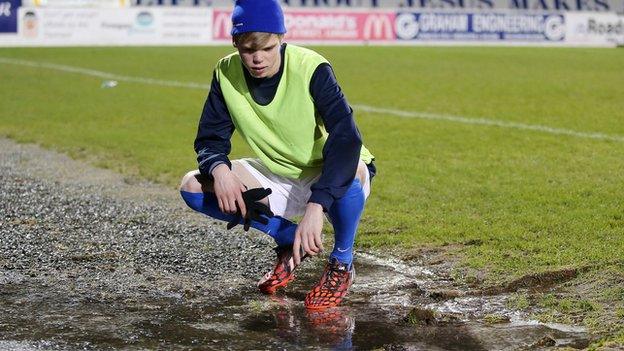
(281, 229)
(345, 216)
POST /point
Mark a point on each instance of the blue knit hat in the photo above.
(257, 16)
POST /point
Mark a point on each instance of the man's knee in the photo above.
(244, 175)
(190, 184)
(361, 173)
(247, 178)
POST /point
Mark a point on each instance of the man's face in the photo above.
(263, 61)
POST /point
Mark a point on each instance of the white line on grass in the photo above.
(487, 122)
(363, 108)
(105, 75)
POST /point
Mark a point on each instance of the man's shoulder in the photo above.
(302, 50)
(228, 59)
(227, 65)
(305, 53)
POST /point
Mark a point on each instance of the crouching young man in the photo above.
(285, 102)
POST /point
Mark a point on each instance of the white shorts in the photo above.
(289, 196)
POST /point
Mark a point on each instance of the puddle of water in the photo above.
(33, 318)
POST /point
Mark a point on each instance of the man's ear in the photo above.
(233, 42)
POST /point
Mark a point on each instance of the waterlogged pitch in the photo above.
(516, 150)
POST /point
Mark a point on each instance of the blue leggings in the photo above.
(344, 214)
(281, 229)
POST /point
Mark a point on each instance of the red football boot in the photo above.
(333, 286)
(282, 273)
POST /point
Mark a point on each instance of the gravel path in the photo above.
(85, 230)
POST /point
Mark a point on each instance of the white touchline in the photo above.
(488, 122)
(359, 107)
(106, 75)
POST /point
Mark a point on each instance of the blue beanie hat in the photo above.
(257, 16)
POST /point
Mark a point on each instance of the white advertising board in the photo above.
(606, 29)
(133, 26)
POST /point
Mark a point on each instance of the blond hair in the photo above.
(254, 40)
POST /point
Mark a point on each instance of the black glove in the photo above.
(255, 208)
(203, 179)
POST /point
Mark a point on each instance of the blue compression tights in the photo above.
(281, 229)
(344, 214)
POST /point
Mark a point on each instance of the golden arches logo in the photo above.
(378, 26)
(221, 24)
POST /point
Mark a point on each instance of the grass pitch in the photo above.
(528, 198)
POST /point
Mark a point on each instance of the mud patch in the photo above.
(541, 280)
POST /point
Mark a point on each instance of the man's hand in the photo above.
(228, 189)
(308, 234)
(255, 209)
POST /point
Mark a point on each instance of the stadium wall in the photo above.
(208, 26)
(418, 5)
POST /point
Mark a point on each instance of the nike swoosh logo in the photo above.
(341, 250)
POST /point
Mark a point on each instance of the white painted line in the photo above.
(487, 122)
(106, 75)
(363, 108)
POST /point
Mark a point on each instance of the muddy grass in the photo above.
(588, 296)
(92, 260)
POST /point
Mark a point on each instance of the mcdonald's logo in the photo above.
(221, 25)
(379, 27)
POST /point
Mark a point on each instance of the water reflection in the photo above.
(294, 325)
(248, 320)
(335, 327)
(242, 324)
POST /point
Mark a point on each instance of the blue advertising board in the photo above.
(483, 26)
(8, 15)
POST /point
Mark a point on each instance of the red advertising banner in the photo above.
(334, 25)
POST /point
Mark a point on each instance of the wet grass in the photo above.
(528, 201)
(566, 310)
(594, 299)
(495, 319)
(518, 301)
(609, 343)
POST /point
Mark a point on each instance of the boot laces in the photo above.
(336, 273)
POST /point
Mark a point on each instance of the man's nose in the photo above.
(256, 57)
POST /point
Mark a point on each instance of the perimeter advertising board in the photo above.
(595, 28)
(413, 27)
(323, 26)
(481, 27)
(204, 26)
(135, 26)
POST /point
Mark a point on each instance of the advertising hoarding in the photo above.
(486, 27)
(592, 28)
(205, 26)
(389, 27)
(134, 26)
(322, 26)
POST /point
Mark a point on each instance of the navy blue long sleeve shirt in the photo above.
(341, 152)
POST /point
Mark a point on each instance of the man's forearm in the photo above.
(220, 171)
(215, 129)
